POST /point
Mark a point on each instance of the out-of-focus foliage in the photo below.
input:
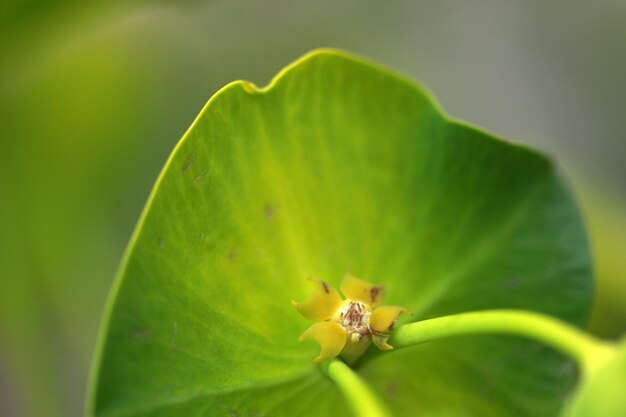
(82, 142)
(606, 215)
(94, 95)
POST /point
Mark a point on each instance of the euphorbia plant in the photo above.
(340, 166)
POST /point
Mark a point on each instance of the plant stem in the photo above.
(588, 351)
(362, 399)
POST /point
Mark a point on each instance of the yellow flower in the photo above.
(347, 327)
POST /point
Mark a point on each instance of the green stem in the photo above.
(362, 399)
(588, 351)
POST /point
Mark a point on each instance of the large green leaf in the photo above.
(338, 166)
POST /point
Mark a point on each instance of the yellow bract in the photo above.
(322, 304)
(384, 317)
(331, 337)
(359, 290)
(381, 323)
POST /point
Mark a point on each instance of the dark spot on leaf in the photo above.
(512, 283)
(487, 387)
(325, 286)
(392, 388)
(199, 177)
(232, 255)
(268, 212)
(174, 334)
(188, 163)
(142, 333)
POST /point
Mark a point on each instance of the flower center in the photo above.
(354, 316)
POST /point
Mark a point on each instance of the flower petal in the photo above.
(322, 304)
(359, 290)
(331, 337)
(384, 317)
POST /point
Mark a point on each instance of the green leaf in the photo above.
(338, 166)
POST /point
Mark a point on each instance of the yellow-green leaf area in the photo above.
(338, 166)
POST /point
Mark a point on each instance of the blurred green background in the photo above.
(94, 95)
